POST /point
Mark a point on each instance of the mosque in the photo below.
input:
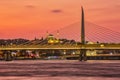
(51, 39)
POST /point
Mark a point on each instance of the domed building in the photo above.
(51, 39)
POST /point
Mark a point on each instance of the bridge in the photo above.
(82, 46)
(61, 47)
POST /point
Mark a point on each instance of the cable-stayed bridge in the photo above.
(102, 38)
(92, 37)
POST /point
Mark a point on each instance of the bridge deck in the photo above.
(74, 46)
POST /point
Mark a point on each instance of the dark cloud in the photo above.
(30, 6)
(56, 11)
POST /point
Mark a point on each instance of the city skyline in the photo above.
(29, 18)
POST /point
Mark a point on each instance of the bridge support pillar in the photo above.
(7, 56)
(83, 56)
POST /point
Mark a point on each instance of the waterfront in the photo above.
(60, 70)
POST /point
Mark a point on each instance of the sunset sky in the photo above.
(30, 18)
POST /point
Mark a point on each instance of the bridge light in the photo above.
(102, 45)
(64, 52)
(73, 53)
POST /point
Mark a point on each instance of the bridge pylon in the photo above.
(7, 56)
(82, 51)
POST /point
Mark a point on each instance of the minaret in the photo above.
(82, 27)
(57, 34)
(47, 33)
